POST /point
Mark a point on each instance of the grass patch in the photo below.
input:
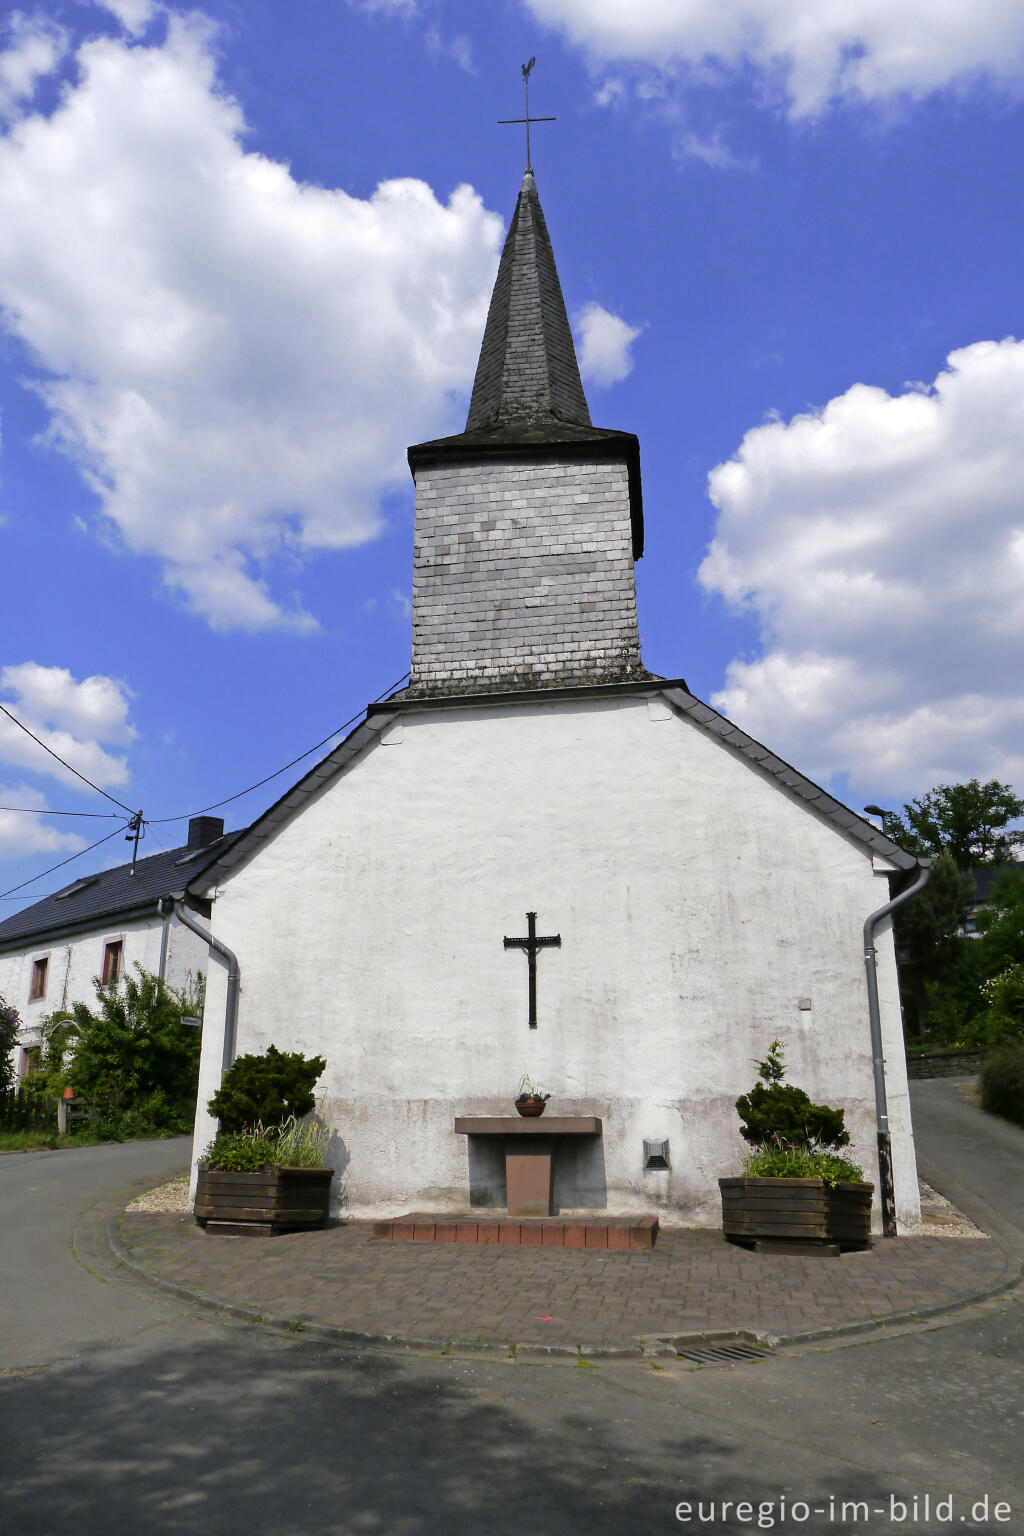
(85, 1136)
(27, 1141)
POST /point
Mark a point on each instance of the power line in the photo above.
(160, 820)
(23, 727)
(80, 854)
(33, 810)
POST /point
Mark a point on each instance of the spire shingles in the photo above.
(527, 374)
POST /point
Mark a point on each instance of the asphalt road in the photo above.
(122, 1410)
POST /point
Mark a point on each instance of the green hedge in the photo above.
(1002, 1083)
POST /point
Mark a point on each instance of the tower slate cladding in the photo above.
(529, 521)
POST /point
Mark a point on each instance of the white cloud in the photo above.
(459, 49)
(711, 150)
(386, 7)
(399, 604)
(134, 15)
(235, 361)
(23, 833)
(605, 345)
(880, 542)
(37, 47)
(868, 50)
(79, 721)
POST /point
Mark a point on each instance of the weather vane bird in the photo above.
(527, 69)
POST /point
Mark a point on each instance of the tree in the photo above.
(1001, 923)
(929, 933)
(971, 822)
(9, 1026)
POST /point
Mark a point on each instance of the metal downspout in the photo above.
(231, 1004)
(885, 1180)
(165, 940)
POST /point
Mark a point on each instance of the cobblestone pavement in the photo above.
(692, 1282)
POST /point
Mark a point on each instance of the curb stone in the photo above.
(644, 1348)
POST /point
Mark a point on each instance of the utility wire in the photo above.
(21, 726)
(80, 854)
(160, 820)
(33, 810)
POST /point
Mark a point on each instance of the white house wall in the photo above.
(697, 904)
(75, 962)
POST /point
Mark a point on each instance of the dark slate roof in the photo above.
(985, 877)
(527, 370)
(91, 900)
(675, 692)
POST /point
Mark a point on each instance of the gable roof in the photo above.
(675, 692)
(91, 901)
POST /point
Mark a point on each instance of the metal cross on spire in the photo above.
(503, 121)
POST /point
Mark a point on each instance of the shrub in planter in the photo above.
(778, 1113)
(1002, 1083)
(265, 1090)
(795, 1189)
(265, 1169)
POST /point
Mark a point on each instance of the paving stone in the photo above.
(494, 1293)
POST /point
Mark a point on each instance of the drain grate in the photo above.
(719, 1354)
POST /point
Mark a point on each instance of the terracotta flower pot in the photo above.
(531, 1106)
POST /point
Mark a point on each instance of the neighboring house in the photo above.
(696, 896)
(985, 877)
(99, 926)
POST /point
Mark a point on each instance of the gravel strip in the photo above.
(169, 1198)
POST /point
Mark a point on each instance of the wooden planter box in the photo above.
(796, 1214)
(268, 1202)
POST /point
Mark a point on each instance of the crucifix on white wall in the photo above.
(531, 944)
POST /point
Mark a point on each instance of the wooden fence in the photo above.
(27, 1112)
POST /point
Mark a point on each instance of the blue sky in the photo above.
(245, 257)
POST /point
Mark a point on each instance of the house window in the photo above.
(112, 954)
(31, 1060)
(38, 987)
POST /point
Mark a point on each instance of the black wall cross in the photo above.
(531, 944)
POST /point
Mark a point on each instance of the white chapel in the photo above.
(696, 896)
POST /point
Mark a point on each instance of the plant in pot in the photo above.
(796, 1191)
(529, 1098)
(264, 1171)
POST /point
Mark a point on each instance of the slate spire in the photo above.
(527, 376)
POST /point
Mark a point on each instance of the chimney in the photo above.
(204, 830)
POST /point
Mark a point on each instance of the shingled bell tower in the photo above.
(529, 521)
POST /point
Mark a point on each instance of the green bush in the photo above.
(243, 1151)
(133, 1051)
(778, 1114)
(131, 1058)
(799, 1163)
(296, 1144)
(1002, 1083)
(266, 1090)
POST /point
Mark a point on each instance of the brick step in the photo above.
(623, 1234)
